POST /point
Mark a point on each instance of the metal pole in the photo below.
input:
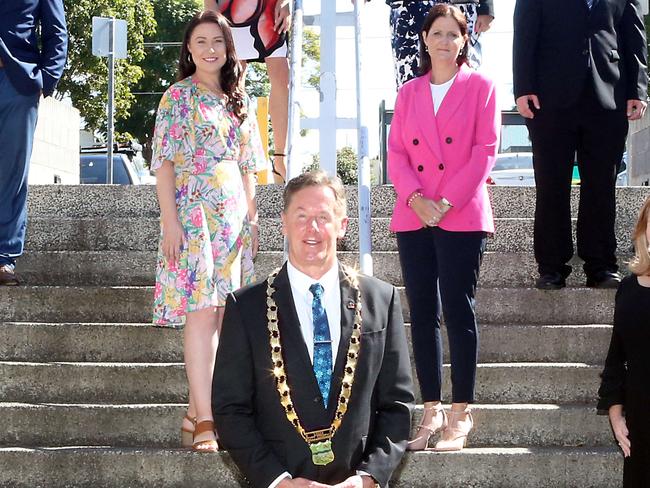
(111, 97)
(363, 161)
(294, 168)
(328, 122)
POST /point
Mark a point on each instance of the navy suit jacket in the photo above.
(28, 68)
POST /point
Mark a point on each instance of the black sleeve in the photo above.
(612, 385)
(232, 403)
(636, 52)
(485, 7)
(394, 391)
(527, 20)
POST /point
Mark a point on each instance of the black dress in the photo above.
(626, 377)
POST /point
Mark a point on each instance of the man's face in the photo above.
(312, 223)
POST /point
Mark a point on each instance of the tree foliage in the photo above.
(159, 66)
(346, 165)
(85, 79)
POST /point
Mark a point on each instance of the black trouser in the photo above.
(439, 266)
(598, 137)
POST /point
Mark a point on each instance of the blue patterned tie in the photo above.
(322, 343)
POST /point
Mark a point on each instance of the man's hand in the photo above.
(619, 427)
(357, 482)
(523, 106)
(483, 23)
(636, 109)
(300, 483)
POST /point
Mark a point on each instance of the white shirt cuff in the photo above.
(277, 480)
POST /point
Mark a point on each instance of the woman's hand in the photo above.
(255, 238)
(429, 211)
(172, 239)
(619, 426)
(282, 16)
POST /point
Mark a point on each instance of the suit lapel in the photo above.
(348, 301)
(453, 98)
(426, 118)
(291, 335)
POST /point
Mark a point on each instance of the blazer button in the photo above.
(420, 168)
(441, 166)
(317, 399)
(415, 142)
(585, 52)
(449, 140)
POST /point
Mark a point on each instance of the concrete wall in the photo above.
(638, 152)
(55, 157)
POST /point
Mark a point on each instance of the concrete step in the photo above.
(132, 201)
(66, 382)
(133, 304)
(134, 268)
(97, 342)
(157, 425)
(141, 234)
(92, 467)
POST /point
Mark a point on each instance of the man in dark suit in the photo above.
(579, 76)
(33, 45)
(312, 383)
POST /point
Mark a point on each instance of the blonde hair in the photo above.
(640, 264)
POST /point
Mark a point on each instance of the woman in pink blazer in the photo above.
(442, 146)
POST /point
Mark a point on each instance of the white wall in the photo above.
(56, 144)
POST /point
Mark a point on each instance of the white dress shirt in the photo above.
(331, 301)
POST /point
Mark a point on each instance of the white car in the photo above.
(513, 169)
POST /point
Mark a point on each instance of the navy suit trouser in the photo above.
(18, 114)
(440, 270)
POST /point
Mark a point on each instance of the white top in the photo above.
(331, 301)
(438, 92)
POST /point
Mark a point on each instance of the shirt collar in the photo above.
(300, 282)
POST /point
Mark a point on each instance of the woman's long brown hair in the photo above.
(231, 74)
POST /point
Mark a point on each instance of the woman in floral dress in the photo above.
(206, 151)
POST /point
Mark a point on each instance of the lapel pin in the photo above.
(351, 305)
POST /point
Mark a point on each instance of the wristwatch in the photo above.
(446, 202)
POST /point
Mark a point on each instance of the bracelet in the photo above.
(254, 224)
(412, 197)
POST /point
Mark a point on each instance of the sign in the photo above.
(101, 37)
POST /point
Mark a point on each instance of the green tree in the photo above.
(346, 165)
(85, 79)
(159, 67)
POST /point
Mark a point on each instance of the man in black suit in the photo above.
(312, 384)
(579, 76)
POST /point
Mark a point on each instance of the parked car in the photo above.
(128, 166)
(513, 169)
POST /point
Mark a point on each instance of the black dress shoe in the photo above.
(604, 279)
(8, 276)
(550, 281)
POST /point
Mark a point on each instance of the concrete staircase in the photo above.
(91, 396)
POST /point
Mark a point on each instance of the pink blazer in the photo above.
(446, 155)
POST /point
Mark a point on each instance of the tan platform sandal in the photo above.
(187, 436)
(208, 445)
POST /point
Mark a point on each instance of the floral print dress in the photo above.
(211, 150)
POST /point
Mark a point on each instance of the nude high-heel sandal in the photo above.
(425, 431)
